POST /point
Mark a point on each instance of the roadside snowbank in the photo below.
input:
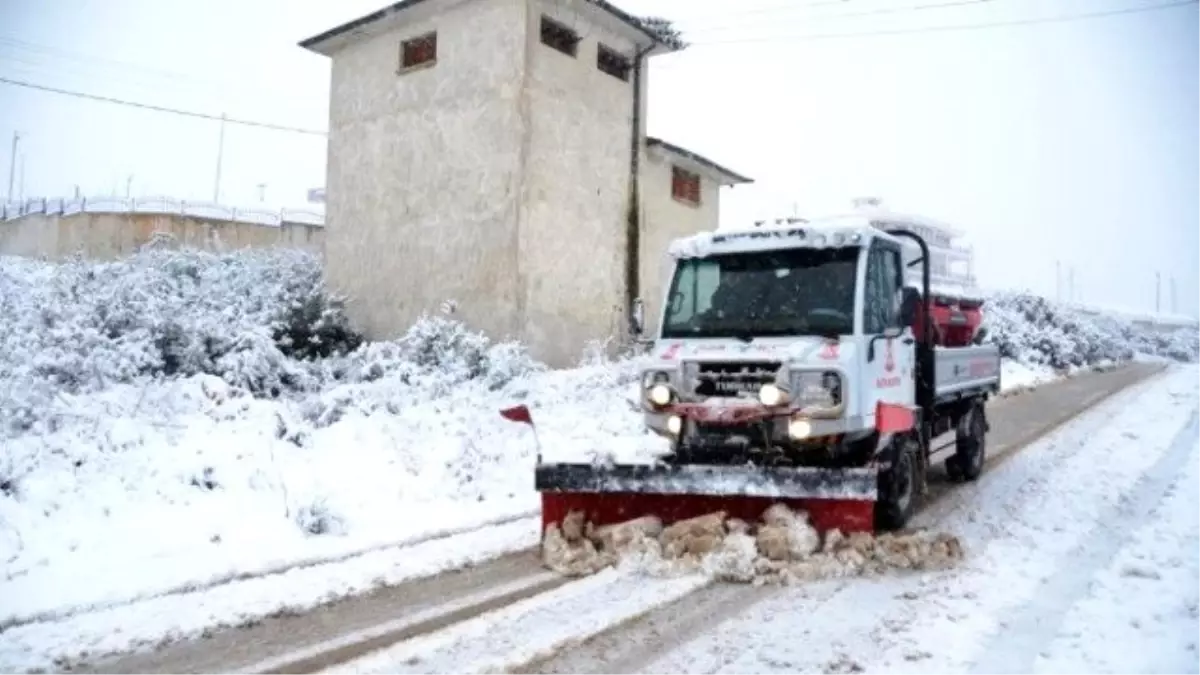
(177, 418)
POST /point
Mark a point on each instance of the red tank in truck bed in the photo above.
(956, 319)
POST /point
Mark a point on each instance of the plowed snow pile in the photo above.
(783, 548)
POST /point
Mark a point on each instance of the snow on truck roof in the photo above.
(823, 233)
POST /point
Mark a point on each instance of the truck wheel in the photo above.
(898, 488)
(970, 447)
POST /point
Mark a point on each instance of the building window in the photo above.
(685, 186)
(418, 51)
(558, 36)
(613, 62)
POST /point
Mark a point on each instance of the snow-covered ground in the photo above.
(1083, 559)
(179, 419)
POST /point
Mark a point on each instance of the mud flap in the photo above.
(834, 498)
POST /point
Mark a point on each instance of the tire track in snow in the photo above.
(1032, 627)
(217, 630)
(507, 639)
(315, 657)
(60, 613)
(637, 646)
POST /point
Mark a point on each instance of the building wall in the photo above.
(576, 195)
(664, 219)
(107, 236)
(498, 178)
(424, 170)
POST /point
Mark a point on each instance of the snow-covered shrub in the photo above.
(318, 518)
(1036, 331)
(83, 326)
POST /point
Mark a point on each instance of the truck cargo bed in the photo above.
(962, 371)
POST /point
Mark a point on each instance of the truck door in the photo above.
(889, 375)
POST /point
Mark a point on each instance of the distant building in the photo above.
(951, 264)
(316, 196)
(492, 152)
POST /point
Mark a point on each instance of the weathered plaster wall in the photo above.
(577, 190)
(667, 218)
(106, 236)
(423, 171)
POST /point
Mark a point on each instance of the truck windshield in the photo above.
(798, 291)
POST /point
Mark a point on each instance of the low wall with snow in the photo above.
(107, 236)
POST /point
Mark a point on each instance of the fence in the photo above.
(162, 206)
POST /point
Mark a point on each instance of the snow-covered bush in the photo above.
(247, 317)
(1035, 331)
(262, 320)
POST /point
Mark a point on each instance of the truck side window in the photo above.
(881, 294)
(708, 277)
(682, 307)
(693, 291)
(894, 271)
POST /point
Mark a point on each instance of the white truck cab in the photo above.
(794, 363)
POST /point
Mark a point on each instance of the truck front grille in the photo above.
(740, 379)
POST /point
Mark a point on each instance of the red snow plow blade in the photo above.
(833, 498)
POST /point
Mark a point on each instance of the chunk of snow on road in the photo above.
(783, 548)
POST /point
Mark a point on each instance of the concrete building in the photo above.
(492, 152)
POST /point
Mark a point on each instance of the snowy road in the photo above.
(1036, 592)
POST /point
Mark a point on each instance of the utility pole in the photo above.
(220, 156)
(262, 192)
(1158, 292)
(21, 182)
(129, 186)
(1174, 309)
(1071, 283)
(12, 165)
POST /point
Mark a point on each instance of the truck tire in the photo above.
(970, 446)
(898, 487)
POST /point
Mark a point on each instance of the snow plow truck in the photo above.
(798, 365)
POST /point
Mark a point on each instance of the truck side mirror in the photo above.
(637, 317)
(910, 299)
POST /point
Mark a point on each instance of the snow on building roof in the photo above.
(389, 17)
(721, 174)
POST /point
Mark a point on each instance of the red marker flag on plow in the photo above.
(520, 413)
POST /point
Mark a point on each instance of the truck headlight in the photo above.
(660, 394)
(772, 395)
(817, 389)
(799, 429)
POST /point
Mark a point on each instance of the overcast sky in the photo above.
(1074, 141)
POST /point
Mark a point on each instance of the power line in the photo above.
(159, 108)
(958, 27)
(67, 58)
(879, 11)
